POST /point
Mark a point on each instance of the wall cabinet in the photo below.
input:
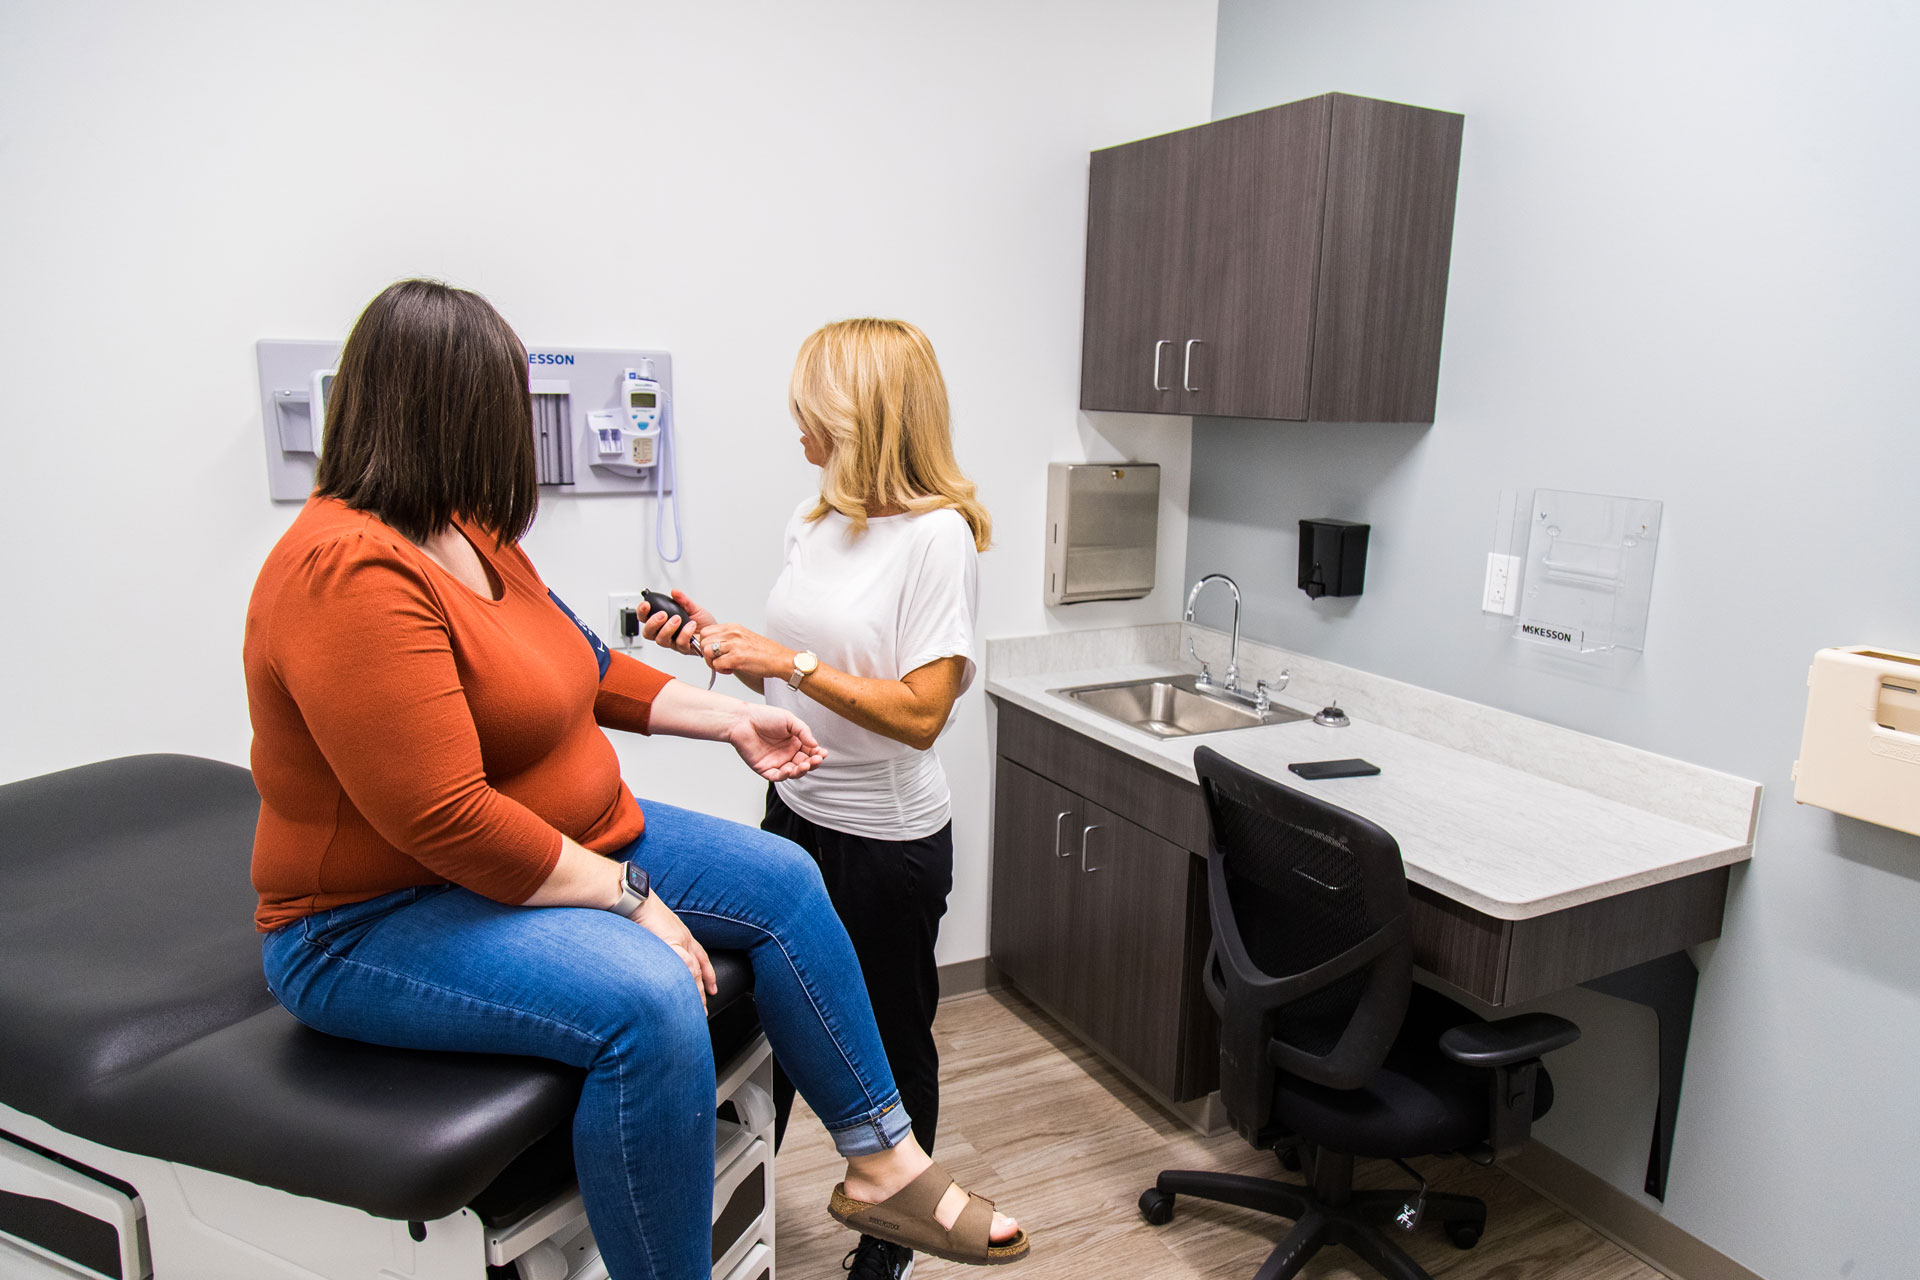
(1290, 263)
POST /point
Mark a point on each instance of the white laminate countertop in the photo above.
(1505, 841)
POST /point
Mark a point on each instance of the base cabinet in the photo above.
(1116, 949)
(1094, 919)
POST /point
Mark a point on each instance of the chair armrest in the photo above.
(1508, 1041)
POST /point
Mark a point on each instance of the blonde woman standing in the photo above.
(872, 619)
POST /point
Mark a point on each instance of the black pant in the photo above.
(890, 894)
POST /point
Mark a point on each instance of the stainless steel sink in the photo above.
(1170, 707)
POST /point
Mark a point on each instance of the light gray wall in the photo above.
(1684, 268)
(177, 181)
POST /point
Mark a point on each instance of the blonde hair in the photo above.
(872, 391)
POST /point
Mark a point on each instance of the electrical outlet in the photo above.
(1497, 595)
(613, 636)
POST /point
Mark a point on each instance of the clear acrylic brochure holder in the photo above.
(1588, 576)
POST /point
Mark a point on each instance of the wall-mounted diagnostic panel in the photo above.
(602, 420)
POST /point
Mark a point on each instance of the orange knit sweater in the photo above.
(409, 732)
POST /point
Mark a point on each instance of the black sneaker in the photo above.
(873, 1259)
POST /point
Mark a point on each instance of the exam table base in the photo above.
(190, 1223)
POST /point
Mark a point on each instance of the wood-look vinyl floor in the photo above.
(1032, 1119)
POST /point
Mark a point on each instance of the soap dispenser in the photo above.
(1333, 557)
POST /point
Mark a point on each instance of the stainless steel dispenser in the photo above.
(1103, 521)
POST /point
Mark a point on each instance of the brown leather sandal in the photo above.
(906, 1218)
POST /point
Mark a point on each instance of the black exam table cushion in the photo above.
(133, 1011)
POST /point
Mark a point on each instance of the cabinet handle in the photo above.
(1164, 342)
(1083, 846)
(1186, 372)
(1059, 818)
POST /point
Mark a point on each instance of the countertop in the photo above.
(1503, 840)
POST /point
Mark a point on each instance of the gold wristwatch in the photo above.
(804, 665)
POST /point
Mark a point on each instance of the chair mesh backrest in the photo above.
(1299, 896)
(1307, 884)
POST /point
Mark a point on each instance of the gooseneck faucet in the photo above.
(1230, 687)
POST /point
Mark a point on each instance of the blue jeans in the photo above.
(444, 968)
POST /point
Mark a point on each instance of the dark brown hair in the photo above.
(430, 416)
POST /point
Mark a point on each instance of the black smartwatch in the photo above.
(635, 888)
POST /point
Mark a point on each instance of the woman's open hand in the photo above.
(733, 650)
(656, 917)
(774, 743)
(668, 631)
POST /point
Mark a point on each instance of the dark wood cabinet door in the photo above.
(1129, 931)
(1036, 829)
(1136, 258)
(1388, 237)
(1258, 185)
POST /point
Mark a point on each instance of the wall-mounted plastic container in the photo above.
(1860, 749)
(1587, 576)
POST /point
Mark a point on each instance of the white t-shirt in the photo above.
(903, 594)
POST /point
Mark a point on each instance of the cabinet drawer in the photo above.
(1167, 806)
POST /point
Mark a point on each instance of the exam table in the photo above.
(161, 1115)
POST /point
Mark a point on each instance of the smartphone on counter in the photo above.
(1315, 770)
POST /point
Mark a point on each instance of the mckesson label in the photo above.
(1552, 635)
(548, 357)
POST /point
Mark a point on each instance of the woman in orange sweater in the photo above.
(447, 857)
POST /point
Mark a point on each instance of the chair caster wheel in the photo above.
(1290, 1159)
(1464, 1235)
(1156, 1206)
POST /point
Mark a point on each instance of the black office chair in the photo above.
(1328, 1050)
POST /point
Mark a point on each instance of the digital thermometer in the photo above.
(628, 440)
(642, 395)
(636, 439)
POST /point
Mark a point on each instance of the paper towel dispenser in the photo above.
(1860, 750)
(1103, 522)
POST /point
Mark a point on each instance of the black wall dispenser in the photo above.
(1333, 557)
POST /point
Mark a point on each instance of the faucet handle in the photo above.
(1206, 674)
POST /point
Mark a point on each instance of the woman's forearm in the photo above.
(683, 711)
(885, 707)
(581, 878)
(913, 709)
